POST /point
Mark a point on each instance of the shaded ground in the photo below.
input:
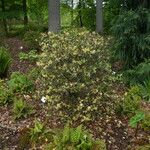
(15, 47)
(116, 132)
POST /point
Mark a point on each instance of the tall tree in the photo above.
(80, 13)
(4, 19)
(99, 16)
(24, 3)
(72, 6)
(54, 16)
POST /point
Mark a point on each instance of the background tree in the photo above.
(99, 16)
(54, 15)
(24, 4)
(4, 19)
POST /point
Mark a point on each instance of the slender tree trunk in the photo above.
(80, 13)
(99, 16)
(24, 2)
(54, 16)
(4, 20)
(72, 6)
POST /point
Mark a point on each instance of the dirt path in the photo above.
(16, 46)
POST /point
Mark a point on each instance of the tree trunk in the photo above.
(4, 19)
(72, 6)
(24, 2)
(54, 16)
(99, 16)
(80, 13)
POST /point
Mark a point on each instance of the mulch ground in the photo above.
(115, 130)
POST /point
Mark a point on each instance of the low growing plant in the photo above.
(21, 109)
(5, 95)
(131, 101)
(75, 139)
(139, 74)
(20, 83)
(136, 120)
(38, 133)
(5, 61)
(31, 56)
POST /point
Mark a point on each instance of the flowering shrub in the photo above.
(75, 73)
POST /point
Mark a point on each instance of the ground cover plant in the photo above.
(5, 61)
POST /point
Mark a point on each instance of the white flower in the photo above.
(113, 72)
(21, 47)
(43, 99)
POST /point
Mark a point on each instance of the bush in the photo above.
(5, 60)
(75, 138)
(31, 56)
(5, 95)
(20, 83)
(31, 38)
(21, 109)
(139, 74)
(75, 73)
(131, 101)
(131, 30)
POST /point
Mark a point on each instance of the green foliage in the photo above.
(31, 56)
(38, 132)
(144, 147)
(75, 139)
(145, 124)
(139, 74)
(31, 38)
(76, 76)
(131, 30)
(5, 60)
(20, 83)
(5, 95)
(21, 109)
(136, 119)
(145, 90)
(131, 101)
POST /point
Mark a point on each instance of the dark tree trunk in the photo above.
(72, 5)
(24, 2)
(80, 13)
(4, 19)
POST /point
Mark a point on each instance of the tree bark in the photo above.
(24, 2)
(99, 16)
(54, 16)
(80, 13)
(72, 6)
(4, 19)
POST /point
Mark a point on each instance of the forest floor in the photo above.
(114, 129)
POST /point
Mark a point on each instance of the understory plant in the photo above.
(31, 56)
(132, 38)
(131, 101)
(76, 75)
(5, 95)
(39, 134)
(20, 83)
(5, 61)
(75, 139)
(21, 109)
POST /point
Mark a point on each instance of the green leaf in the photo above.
(136, 119)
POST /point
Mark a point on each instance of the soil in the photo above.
(114, 129)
